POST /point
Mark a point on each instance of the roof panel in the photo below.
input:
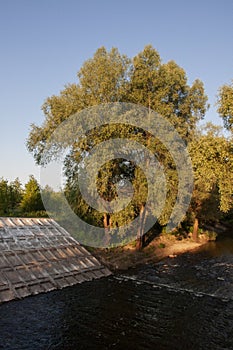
(37, 255)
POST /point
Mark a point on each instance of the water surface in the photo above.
(180, 303)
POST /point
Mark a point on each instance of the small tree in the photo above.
(31, 200)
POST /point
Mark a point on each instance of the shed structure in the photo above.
(38, 255)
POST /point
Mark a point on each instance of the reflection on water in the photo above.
(181, 303)
(220, 247)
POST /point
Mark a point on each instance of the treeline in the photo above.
(18, 200)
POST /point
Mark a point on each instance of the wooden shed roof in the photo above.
(38, 255)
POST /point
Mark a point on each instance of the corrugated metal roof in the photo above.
(38, 255)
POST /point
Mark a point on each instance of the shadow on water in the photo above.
(181, 303)
(223, 246)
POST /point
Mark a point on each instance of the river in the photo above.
(179, 303)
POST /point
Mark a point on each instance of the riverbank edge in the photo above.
(127, 257)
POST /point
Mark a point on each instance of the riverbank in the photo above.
(123, 258)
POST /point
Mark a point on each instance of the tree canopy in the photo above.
(31, 199)
(19, 200)
(225, 105)
(10, 196)
(162, 87)
(212, 159)
(113, 77)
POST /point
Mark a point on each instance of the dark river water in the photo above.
(180, 303)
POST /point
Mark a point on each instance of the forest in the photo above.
(110, 77)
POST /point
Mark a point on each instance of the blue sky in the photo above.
(45, 42)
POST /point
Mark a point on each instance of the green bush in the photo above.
(161, 245)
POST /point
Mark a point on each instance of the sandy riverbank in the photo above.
(122, 258)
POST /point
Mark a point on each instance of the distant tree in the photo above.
(10, 196)
(4, 197)
(31, 200)
(225, 105)
(15, 194)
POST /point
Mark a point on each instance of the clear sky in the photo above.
(45, 42)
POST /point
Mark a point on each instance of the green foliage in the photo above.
(31, 200)
(212, 159)
(10, 196)
(161, 245)
(112, 77)
(162, 87)
(104, 78)
(225, 105)
(211, 235)
(35, 214)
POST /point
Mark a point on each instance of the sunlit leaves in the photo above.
(225, 105)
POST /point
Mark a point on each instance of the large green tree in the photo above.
(112, 77)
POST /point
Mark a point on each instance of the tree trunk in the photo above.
(106, 222)
(195, 230)
(140, 236)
